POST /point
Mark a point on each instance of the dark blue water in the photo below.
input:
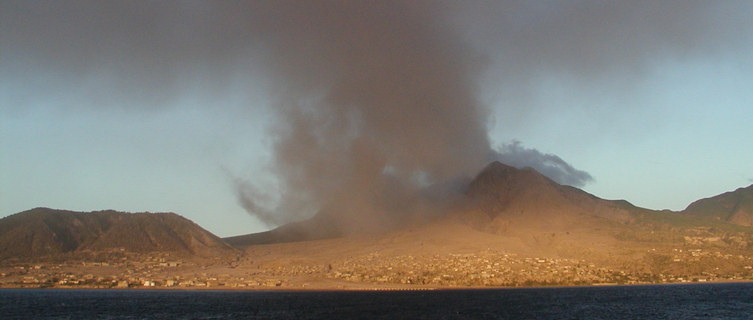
(697, 301)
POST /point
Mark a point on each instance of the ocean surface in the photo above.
(690, 301)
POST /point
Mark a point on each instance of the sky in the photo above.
(244, 116)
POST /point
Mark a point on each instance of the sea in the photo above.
(686, 301)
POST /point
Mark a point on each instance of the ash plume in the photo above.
(550, 165)
(376, 102)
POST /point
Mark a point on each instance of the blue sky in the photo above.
(138, 112)
(681, 134)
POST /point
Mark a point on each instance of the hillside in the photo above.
(499, 197)
(512, 227)
(316, 228)
(734, 207)
(523, 211)
(48, 232)
(524, 197)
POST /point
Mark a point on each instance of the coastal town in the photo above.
(488, 268)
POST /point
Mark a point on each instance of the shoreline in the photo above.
(363, 289)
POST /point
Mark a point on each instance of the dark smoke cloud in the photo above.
(596, 48)
(590, 39)
(550, 165)
(380, 100)
(377, 102)
(138, 55)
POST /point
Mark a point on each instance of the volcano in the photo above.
(508, 227)
(525, 224)
(500, 197)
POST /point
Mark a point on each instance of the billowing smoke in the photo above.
(377, 102)
(550, 165)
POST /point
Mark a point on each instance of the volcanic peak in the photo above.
(528, 197)
(500, 180)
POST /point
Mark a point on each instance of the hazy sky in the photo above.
(176, 106)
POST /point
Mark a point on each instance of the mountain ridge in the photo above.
(514, 227)
(500, 189)
(499, 195)
(734, 207)
(48, 232)
(501, 200)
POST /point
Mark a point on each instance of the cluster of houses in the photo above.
(495, 268)
(484, 268)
